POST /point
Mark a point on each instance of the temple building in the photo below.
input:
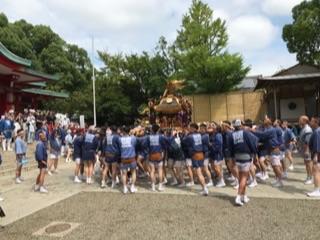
(20, 86)
(286, 95)
(292, 92)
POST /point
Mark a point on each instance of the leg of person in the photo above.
(133, 188)
(18, 173)
(257, 165)
(175, 176)
(308, 164)
(68, 154)
(276, 165)
(198, 167)
(283, 165)
(55, 164)
(231, 169)
(207, 172)
(63, 150)
(252, 173)
(140, 164)
(178, 166)
(37, 185)
(160, 173)
(18, 169)
(104, 172)
(114, 169)
(124, 179)
(228, 167)
(278, 174)
(217, 166)
(29, 137)
(290, 158)
(77, 171)
(264, 174)
(9, 140)
(172, 171)
(41, 183)
(90, 170)
(234, 180)
(202, 181)
(4, 145)
(164, 171)
(316, 176)
(32, 136)
(152, 176)
(146, 165)
(190, 172)
(243, 177)
(50, 164)
(86, 170)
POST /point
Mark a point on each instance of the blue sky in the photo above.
(132, 26)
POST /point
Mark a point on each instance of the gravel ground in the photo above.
(169, 216)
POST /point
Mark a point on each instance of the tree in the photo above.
(49, 53)
(201, 55)
(138, 76)
(303, 36)
(3, 20)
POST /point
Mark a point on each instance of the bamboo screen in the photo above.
(229, 106)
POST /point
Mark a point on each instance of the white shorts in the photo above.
(275, 160)
(63, 149)
(156, 164)
(54, 155)
(206, 162)
(262, 158)
(189, 162)
(315, 159)
(164, 162)
(216, 162)
(77, 161)
(178, 164)
(307, 157)
(243, 166)
(170, 163)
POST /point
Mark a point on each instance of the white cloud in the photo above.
(136, 25)
(236, 8)
(221, 13)
(269, 61)
(251, 32)
(279, 7)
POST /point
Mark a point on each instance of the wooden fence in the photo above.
(228, 106)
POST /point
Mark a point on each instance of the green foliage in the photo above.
(3, 20)
(138, 77)
(200, 52)
(49, 53)
(303, 36)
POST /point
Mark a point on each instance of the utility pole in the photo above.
(94, 87)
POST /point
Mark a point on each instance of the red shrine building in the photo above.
(20, 86)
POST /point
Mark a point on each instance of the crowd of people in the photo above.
(18, 130)
(180, 157)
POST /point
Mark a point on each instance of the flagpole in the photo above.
(94, 87)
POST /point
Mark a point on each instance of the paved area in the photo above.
(103, 215)
(21, 201)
